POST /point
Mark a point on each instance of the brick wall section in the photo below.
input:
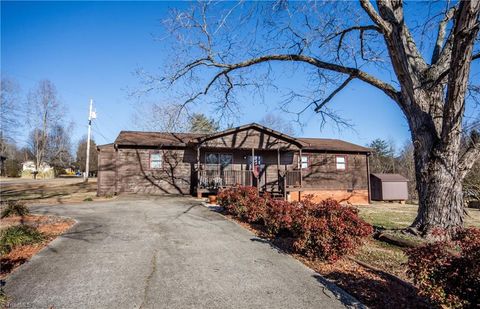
(357, 197)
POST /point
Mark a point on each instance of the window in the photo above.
(341, 162)
(304, 162)
(225, 160)
(211, 158)
(155, 160)
(214, 160)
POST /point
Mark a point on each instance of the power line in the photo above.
(97, 130)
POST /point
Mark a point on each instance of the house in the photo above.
(44, 170)
(254, 155)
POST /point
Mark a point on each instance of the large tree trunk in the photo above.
(439, 184)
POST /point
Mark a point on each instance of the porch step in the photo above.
(274, 195)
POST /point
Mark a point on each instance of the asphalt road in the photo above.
(166, 252)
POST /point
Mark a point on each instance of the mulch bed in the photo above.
(50, 226)
(373, 287)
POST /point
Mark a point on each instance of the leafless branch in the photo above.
(343, 85)
(350, 29)
(370, 10)
(442, 29)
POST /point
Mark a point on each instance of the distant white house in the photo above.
(44, 170)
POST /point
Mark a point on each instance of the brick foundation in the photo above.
(357, 197)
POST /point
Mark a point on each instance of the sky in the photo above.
(91, 49)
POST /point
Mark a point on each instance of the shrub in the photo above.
(447, 272)
(14, 208)
(18, 235)
(328, 230)
(279, 216)
(243, 202)
(325, 230)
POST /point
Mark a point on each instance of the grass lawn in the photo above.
(386, 257)
(397, 216)
(51, 191)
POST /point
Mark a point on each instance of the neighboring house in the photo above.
(44, 170)
(187, 163)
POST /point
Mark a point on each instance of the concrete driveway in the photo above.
(167, 252)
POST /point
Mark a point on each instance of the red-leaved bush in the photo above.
(279, 216)
(243, 203)
(325, 230)
(448, 272)
(328, 230)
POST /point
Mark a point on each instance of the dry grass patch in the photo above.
(48, 226)
(57, 191)
(384, 256)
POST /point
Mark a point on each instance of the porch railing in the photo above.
(224, 178)
(216, 178)
(293, 179)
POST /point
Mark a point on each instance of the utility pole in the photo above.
(91, 115)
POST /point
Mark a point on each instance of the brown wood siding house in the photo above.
(187, 163)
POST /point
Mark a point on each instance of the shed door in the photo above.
(395, 191)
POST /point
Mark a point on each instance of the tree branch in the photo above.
(370, 10)
(344, 32)
(465, 31)
(471, 155)
(442, 28)
(353, 72)
(330, 97)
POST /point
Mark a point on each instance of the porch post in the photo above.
(300, 160)
(253, 167)
(278, 168)
(199, 193)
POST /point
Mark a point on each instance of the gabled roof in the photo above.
(155, 139)
(254, 126)
(390, 177)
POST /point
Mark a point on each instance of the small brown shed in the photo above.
(388, 187)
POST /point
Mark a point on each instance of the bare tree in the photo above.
(59, 147)
(10, 108)
(161, 118)
(223, 47)
(44, 112)
(278, 123)
(82, 155)
(172, 118)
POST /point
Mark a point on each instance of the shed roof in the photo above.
(390, 177)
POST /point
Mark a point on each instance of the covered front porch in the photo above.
(274, 171)
(250, 155)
